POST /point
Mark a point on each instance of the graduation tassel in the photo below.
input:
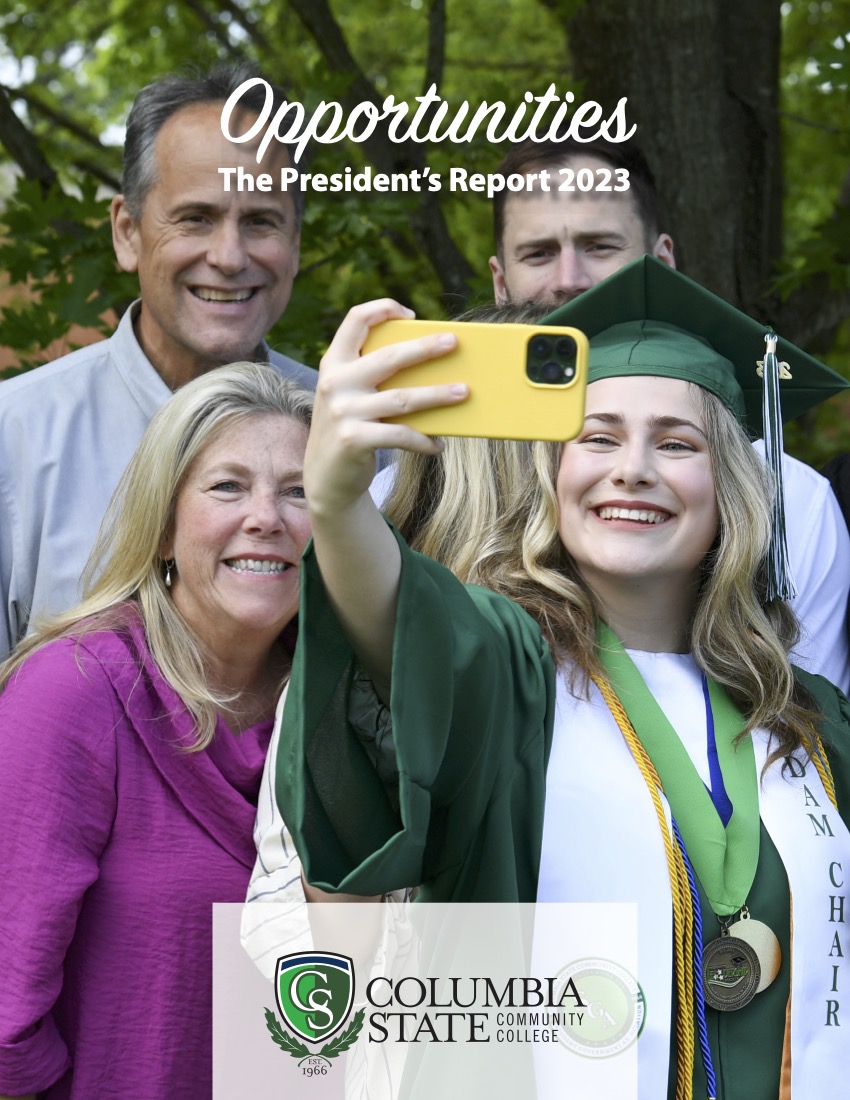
(780, 583)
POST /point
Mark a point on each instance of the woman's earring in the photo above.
(168, 566)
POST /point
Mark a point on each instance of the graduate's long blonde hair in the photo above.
(487, 510)
(126, 563)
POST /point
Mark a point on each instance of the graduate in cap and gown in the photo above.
(625, 665)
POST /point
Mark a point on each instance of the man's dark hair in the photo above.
(531, 156)
(157, 102)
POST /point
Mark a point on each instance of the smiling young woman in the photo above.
(637, 506)
(627, 631)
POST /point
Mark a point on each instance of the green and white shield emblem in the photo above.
(314, 991)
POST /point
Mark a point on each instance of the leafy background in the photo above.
(68, 74)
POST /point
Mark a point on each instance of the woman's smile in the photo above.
(636, 487)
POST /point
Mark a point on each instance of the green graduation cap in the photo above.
(649, 319)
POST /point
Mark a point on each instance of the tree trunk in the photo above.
(702, 84)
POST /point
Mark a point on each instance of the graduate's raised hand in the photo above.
(348, 426)
(357, 553)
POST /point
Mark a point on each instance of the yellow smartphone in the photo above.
(525, 381)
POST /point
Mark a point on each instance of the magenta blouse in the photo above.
(114, 844)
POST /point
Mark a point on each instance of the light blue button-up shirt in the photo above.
(67, 431)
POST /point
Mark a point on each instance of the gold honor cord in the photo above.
(825, 772)
(683, 914)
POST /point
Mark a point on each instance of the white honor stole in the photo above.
(814, 844)
(602, 843)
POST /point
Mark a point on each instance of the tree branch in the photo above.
(814, 125)
(239, 16)
(319, 20)
(436, 45)
(92, 167)
(98, 172)
(57, 116)
(206, 20)
(427, 223)
(812, 314)
(22, 146)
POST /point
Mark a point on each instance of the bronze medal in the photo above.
(765, 944)
(730, 973)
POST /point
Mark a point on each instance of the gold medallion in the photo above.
(765, 944)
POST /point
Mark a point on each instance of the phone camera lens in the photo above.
(552, 371)
(540, 346)
(565, 347)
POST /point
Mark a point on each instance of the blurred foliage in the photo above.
(59, 245)
(816, 147)
(816, 137)
(88, 62)
(72, 72)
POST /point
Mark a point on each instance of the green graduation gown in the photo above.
(472, 712)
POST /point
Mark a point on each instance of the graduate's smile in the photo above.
(633, 513)
(636, 487)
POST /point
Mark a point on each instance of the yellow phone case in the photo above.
(503, 402)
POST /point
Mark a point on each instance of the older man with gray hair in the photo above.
(215, 271)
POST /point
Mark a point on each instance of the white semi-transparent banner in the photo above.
(439, 1001)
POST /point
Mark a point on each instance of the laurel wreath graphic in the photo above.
(297, 1049)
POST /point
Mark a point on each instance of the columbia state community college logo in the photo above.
(314, 991)
(593, 1007)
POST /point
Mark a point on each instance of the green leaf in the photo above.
(343, 1041)
(283, 1039)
